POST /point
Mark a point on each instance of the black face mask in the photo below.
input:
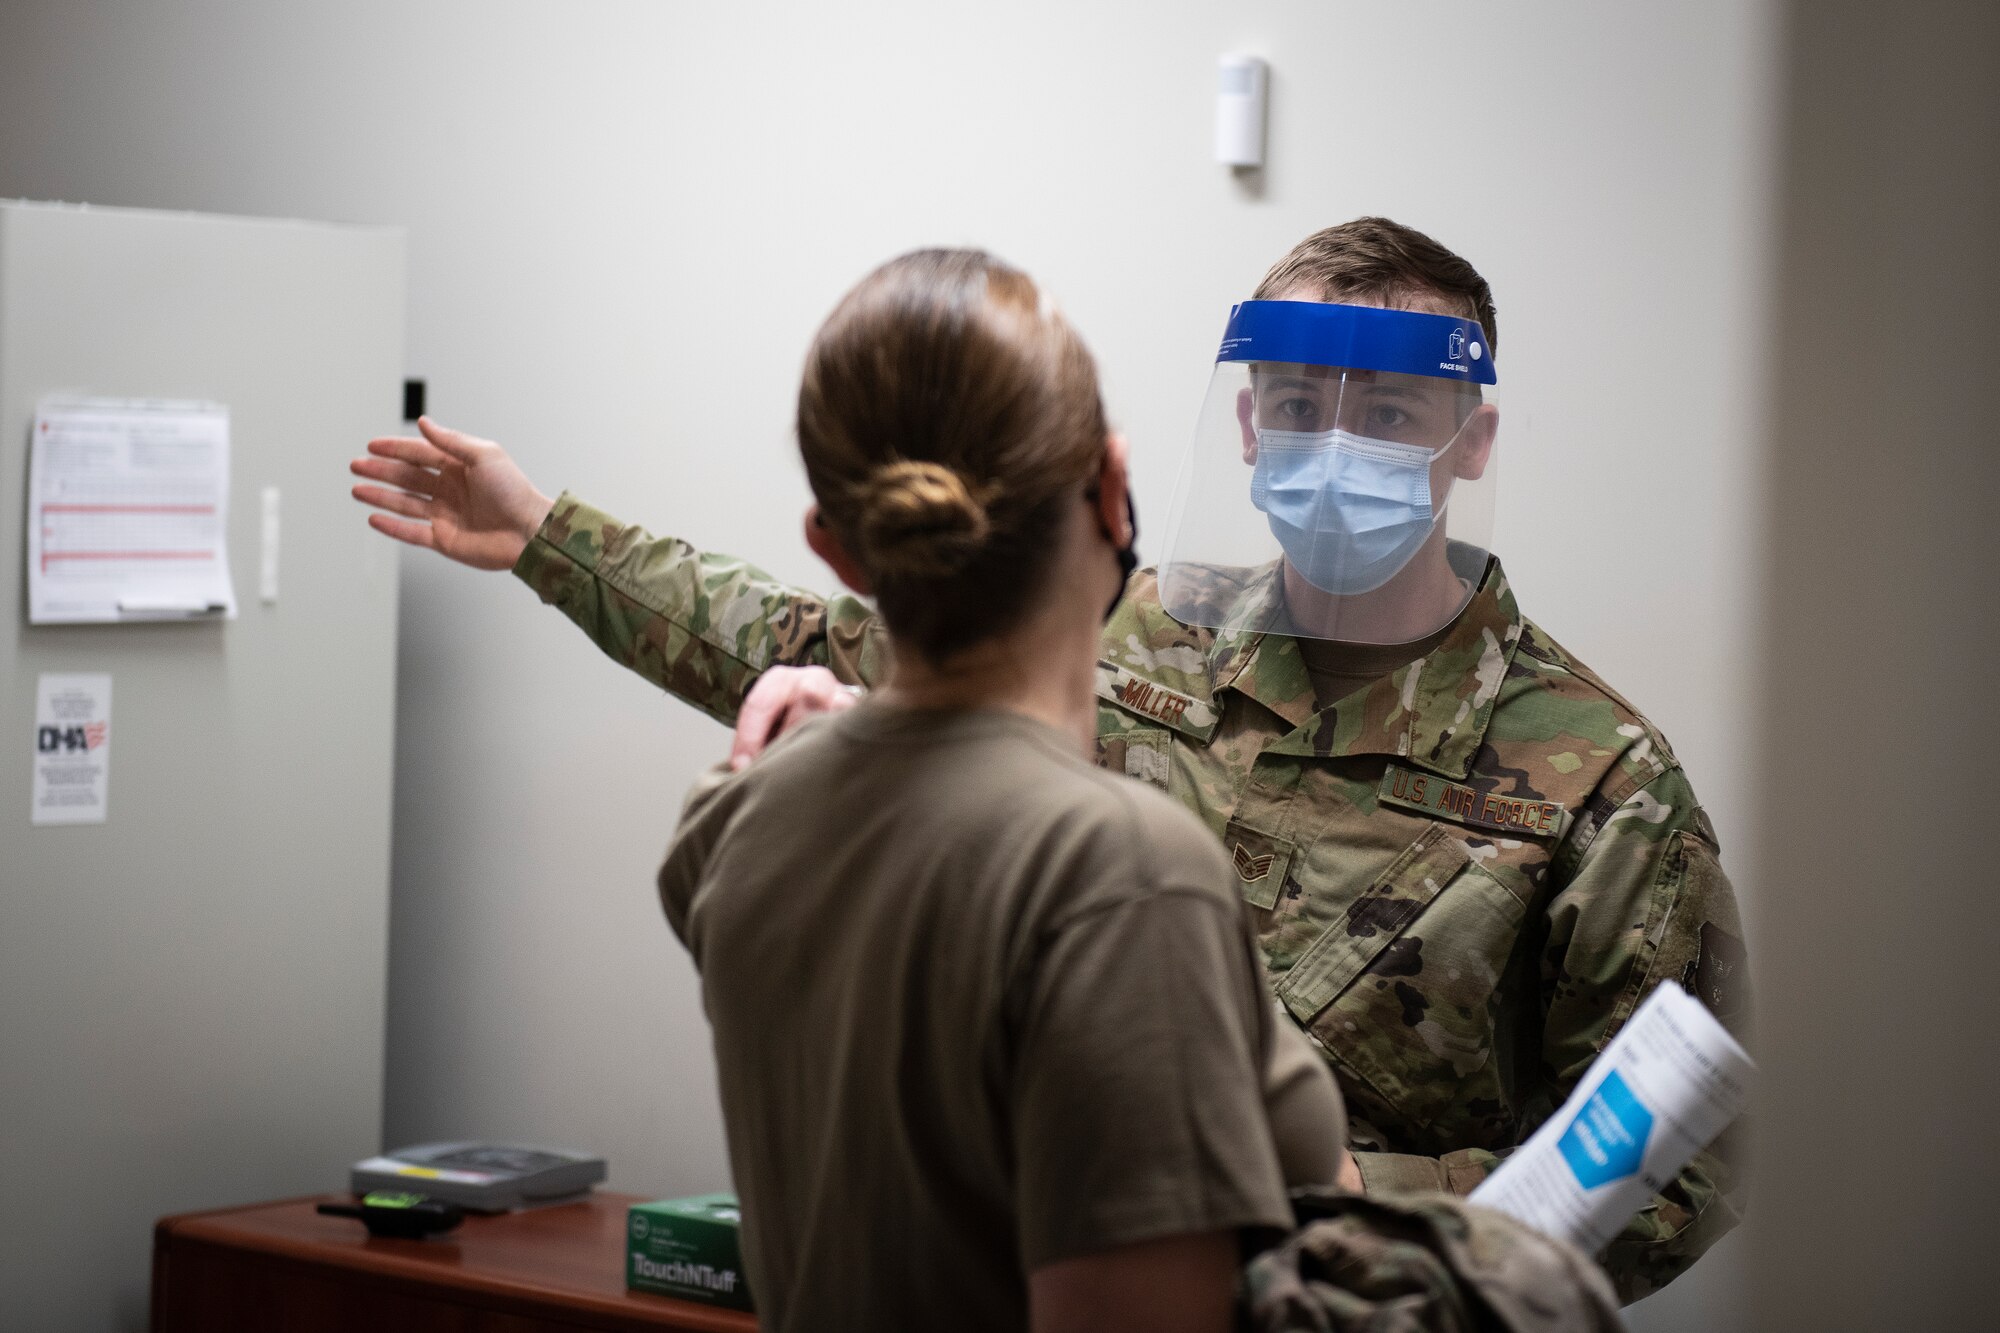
(1128, 554)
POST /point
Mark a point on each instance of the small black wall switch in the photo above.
(413, 399)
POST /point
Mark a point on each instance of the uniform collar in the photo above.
(1433, 711)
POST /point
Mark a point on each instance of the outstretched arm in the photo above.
(704, 627)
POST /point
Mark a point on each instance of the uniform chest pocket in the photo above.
(1406, 988)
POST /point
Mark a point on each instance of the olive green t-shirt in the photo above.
(977, 1006)
(1339, 669)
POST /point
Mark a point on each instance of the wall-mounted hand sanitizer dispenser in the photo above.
(1241, 83)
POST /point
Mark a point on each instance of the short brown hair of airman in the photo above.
(1376, 260)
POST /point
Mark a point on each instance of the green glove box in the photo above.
(687, 1249)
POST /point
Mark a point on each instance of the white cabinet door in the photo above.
(191, 993)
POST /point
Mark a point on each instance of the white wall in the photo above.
(626, 219)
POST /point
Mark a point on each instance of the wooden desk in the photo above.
(283, 1266)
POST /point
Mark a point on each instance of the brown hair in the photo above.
(1379, 260)
(946, 417)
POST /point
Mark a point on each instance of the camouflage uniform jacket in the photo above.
(1466, 875)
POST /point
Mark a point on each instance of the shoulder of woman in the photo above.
(1164, 846)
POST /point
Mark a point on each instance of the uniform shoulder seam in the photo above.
(1569, 664)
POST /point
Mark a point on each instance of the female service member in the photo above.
(994, 1042)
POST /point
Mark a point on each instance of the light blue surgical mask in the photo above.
(1348, 510)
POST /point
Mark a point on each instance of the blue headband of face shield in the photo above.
(1359, 337)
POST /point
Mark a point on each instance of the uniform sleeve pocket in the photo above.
(1134, 749)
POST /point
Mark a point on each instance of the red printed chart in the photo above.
(129, 512)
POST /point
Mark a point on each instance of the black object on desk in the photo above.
(398, 1214)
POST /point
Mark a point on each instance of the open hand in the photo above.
(461, 496)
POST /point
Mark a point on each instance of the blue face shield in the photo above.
(1340, 481)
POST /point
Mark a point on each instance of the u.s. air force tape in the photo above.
(1461, 804)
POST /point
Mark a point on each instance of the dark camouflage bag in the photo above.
(1422, 1263)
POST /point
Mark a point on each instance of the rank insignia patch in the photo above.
(1251, 868)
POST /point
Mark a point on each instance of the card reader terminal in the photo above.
(485, 1177)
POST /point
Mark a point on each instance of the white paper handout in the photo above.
(128, 511)
(1669, 1082)
(72, 749)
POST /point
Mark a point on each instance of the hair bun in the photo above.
(918, 519)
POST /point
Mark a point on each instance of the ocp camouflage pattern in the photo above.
(1466, 875)
(1420, 1263)
(703, 627)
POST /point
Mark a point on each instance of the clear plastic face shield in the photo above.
(1340, 482)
